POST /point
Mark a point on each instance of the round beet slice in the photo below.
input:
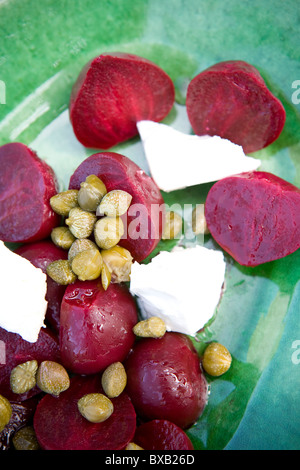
(40, 254)
(230, 99)
(96, 326)
(161, 434)
(112, 93)
(165, 380)
(60, 426)
(17, 351)
(144, 220)
(255, 217)
(26, 185)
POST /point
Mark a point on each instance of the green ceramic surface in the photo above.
(43, 46)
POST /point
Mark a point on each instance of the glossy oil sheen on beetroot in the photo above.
(26, 185)
(230, 99)
(255, 217)
(112, 93)
(60, 426)
(144, 221)
(165, 380)
(161, 434)
(96, 326)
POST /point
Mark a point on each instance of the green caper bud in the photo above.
(79, 245)
(108, 231)
(62, 237)
(119, 262)
(114, 203)
(87, 265)
(105, 276)
(52, 378)
(25, 439)
(199, 224)
(81, 223)
(61, 272)
(5, 412)
(91, 192)
(173, 226)
(95, 407)
(22, 377)
(63, 202)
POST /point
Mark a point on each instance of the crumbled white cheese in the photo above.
(183, 287)
(23, 289)
(177, 160)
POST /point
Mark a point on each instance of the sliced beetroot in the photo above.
(255, 217)
(22, 415)
(230, 99)
(17, 351)
(144, 220)
(161, 434)
(165, 380)
(60, 426)
(96, 326)
(26, 185)
(40, 254)
(112, 93)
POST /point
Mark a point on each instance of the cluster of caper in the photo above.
(93, 228)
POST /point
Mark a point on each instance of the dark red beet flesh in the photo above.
(144, 220)
(22, 415)
(26, 185)
(165, 380)
(96, 326)
(17, 351)
(40, 254)
(59, 425)
(255, 217)
(112, 93)
(231, 100)
(161, 434)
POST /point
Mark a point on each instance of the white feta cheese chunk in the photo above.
(177, 160)
(183, 287)
(23, 289)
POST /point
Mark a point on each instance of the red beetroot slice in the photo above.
(96, 326)
(26, 185)
(161, 434)
(255, 217)
(17, 351)
(231, 100)
(144, 220)
(40, 254)
(112, 93)
(60, 426)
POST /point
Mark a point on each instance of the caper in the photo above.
(108, 231)
(105, 276)
(91, 192)
(153, 327)
(87, 265)
(172, 226)
(199, 224)
(61, 272)
(216, 359)
(114, 380)
(25, 439)
(62, 237)
(95, 407)
(52, 378)
(133, 446)
(81, 223)
(119, 262)
(79, 245)
(22, 377)
(5, 412)
(63, 202)
(114, 203)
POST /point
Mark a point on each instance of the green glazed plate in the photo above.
(44, 45)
